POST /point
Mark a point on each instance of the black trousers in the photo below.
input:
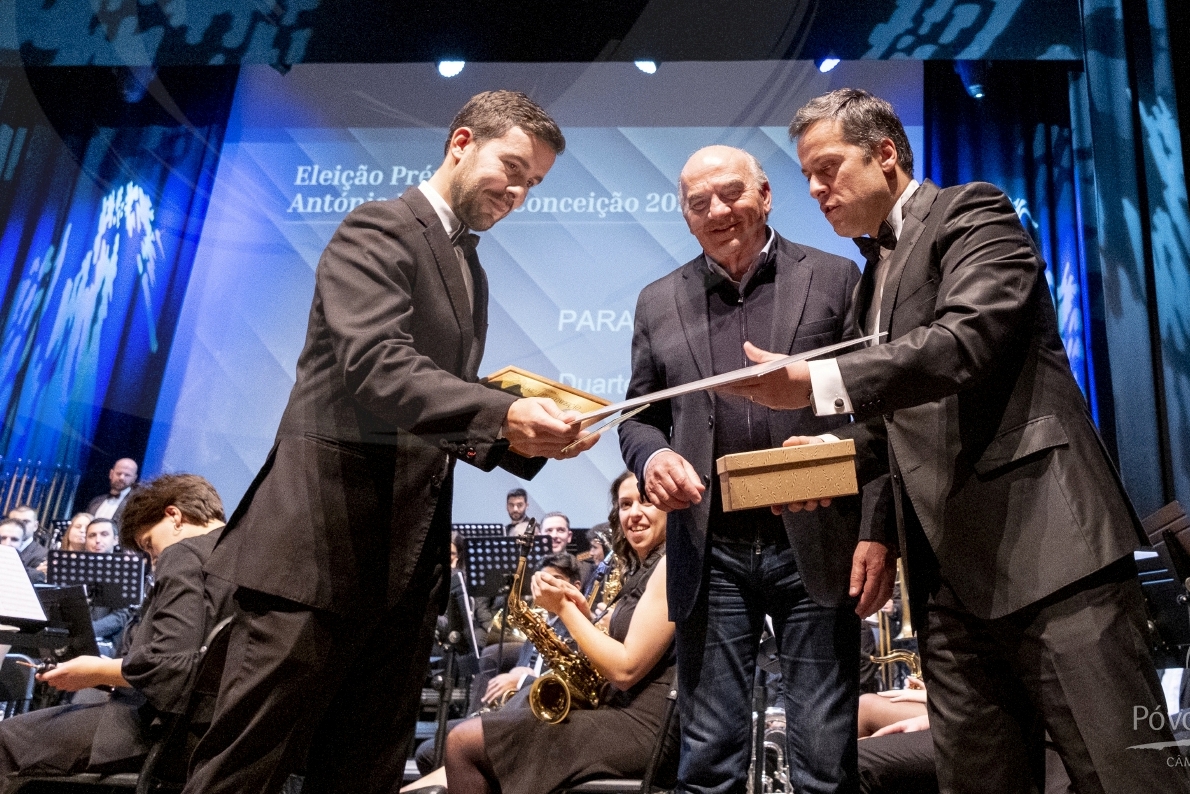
(1075, 664)
(337, 693)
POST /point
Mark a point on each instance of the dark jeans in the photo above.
(717, 648)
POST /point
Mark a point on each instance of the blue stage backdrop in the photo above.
(301, 149)
(104, 194)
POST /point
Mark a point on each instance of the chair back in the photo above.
(16, 684)
(166, 765)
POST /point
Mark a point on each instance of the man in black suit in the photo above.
(1016, 530)
(340, 548)
(121, 478)
(33, 554)
(730, 569)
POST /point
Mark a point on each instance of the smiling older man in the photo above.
(730, 569)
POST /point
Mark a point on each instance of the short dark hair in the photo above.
(556, 514)
(493, 113)
(16, 522)
(565, 562)
(867, 119)
(196, 498)
(515, 493)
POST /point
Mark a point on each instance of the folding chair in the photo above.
(645, 784)
(16, 684)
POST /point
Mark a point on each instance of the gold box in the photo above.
(522, 383)
(779, 476)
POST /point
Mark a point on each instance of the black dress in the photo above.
(612, 741)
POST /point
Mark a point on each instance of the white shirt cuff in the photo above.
(649, 460)
(826, 383)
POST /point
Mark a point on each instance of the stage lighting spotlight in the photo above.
(450, 68)
(648, 67)
(826, 64)
(974, 75)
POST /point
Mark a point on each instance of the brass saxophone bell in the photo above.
(549, 699)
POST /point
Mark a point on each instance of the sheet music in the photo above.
(722, 380)
(18, 599)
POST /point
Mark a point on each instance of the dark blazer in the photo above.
(160, 658)
(95, 504)
(31, 556)
(384, 402)
(671, 346)
(972, 405)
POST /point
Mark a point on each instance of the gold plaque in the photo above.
(779, 476)
(522, 383)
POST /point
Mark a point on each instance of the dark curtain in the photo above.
(1019, 137)
(104, 186)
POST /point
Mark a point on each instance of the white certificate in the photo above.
(753, 371)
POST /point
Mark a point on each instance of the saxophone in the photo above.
(571, 681)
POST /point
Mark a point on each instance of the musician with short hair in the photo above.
(175, 521)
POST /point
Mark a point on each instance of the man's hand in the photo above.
(671, 483)
(812, 504)
(785, 388)
(537, 427)
(911, 725)
(873, 571)
(503, 685)
(82, 672)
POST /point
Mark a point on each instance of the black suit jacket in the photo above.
(95, 504)
(671, 346)
(385, 401)
(973, 409)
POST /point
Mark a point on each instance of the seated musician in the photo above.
(490, 687)
(497, 688)
(107, 623)
(511, 751)
(175, 520)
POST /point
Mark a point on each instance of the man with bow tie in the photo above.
(340, 548)
(1016, 530)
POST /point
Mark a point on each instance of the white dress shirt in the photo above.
(829, 395)
(451, 223)
(111, 504)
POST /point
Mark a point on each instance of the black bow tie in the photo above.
(870, 246)
(463, 238)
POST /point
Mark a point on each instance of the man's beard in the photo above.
(466, 199)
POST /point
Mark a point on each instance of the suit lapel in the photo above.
(793, 285)
(913, 224)
(481, 317)
(444, 257)
(692, 311)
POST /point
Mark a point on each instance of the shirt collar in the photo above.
(719, 270)
(445, 214)
(896, 218)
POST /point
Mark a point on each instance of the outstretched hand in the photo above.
(537, 427)
(785, 388)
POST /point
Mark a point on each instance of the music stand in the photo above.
(490, 559)
(66, 608)
(114, 581)
(470, 531)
